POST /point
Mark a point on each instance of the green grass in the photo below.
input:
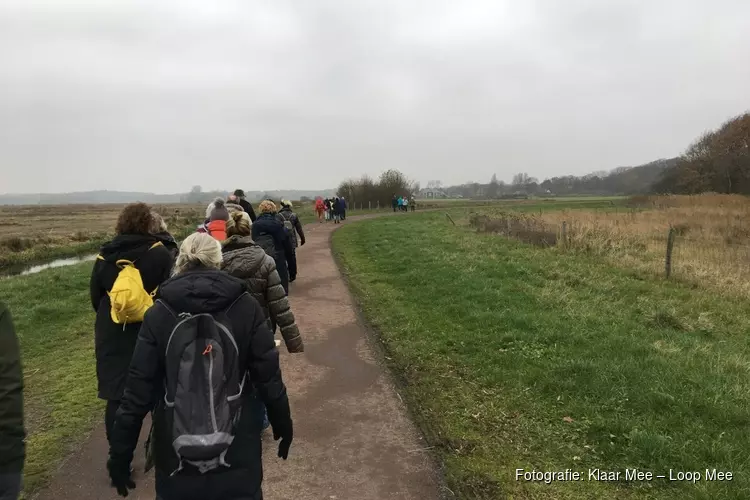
(55, 324)
(518, 357)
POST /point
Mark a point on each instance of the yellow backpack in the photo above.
(129, 299)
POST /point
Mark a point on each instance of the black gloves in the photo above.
(302, 242)
(119, 473)
(281, 421)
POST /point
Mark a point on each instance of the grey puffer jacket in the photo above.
(246, 260)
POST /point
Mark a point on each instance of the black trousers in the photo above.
(110, 413)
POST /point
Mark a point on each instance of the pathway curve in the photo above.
(353, 438)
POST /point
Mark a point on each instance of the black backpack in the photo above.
(203, 388)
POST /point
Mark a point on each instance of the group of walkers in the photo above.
(185, 333)
(331, 209)
(402, 203)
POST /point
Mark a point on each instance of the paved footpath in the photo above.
(353, 439)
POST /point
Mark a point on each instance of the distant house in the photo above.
(432, 193)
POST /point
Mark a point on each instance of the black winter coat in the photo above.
(202, 291)
(115, 344)
(12, 448)
(286, 260)
(247, 207)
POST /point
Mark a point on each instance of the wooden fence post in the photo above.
(670, 247)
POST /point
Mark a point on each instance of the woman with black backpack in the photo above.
(150, 254)
(204, 349)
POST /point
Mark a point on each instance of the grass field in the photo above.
(514, 356)
(711, 236)
(37, 233)
(54, 320)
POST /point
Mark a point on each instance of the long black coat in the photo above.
(247, 207)
(285, 257)
(12, 447)
(115, 344)
(202, 291)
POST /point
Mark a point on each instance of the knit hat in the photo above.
(218, 211)
(239, 192)
(286, 203)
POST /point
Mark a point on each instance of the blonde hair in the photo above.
(199, 250)
(267, 207)
(239, 223)
(157, 224)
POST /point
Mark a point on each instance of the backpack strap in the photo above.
(166, 306)
(157, 244)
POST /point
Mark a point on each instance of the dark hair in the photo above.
(239, 192)
(134, 219)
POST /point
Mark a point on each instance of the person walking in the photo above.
(269, 233)
(406, 203)
(335, 210)
(115, 333)
(246, 260)
(292, 224)
(161, 231)
(12, 432)
(342, 208)
(320, 208)
(394, 202)
(246, 205)
(217, 215)
(413, 203)
(204, 350)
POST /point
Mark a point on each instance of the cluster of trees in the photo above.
(366, 190)
(718, 161)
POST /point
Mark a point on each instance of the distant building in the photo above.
(432, 193)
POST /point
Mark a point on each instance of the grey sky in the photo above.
(268, 94)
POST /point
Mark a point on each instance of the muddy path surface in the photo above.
(353, 438)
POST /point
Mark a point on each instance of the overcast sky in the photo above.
(162, 95)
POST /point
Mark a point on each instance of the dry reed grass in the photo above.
(712, 244)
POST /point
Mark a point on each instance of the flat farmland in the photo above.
(39, 232)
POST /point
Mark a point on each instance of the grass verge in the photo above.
(513, 356)
(54, 320)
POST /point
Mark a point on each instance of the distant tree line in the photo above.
(718, 161)
(366, 190)
(621, 181)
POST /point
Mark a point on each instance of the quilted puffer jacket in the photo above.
(244, 259)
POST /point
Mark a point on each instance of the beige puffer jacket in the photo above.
(244, 259)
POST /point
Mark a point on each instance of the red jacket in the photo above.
(216, 229)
